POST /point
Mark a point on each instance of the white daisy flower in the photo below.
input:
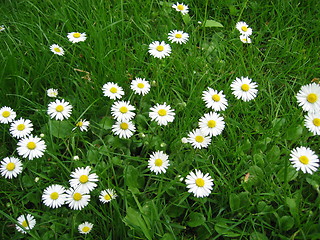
(10, 167)
(180, 7)
(244, 89)
(21, 128)
(52, 92)
(54, 196)
(122, 111)
(56, 49)
(2, 28)
(200, 185)
(59, 109)
(83, 125)
(7, 115)
(304, 159)
(312, 122)
(176, 36)
(85, 228)
(82, 180)
(75, 37)
(245, 38)
(158, 162)
(162, 114)
(31, 147)
(112, 90)
(159, 50)
(244, 28)
(26, 221)
(214, 99)
(123, 129)
(309, 97)
(198, 139)
(77, 199)
(211, 124)
(107, 195)
(140, 86)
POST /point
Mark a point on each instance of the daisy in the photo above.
(244, 28)
(162, 114)
(244, 89)
(198, 139)
(21, 128)
(214, 99)
(312, 122)
(112, 90)
(82, 180)
(180, 7)
(200, 185)
(77, 199)
(83, 125)
(140, 86)
(10, 167)
(7, 115)
(245, 38)
(75, 37)
(26, 221)
(123, 129)
(59, 109)
(107, 195)
(304, 159)
(211, 124)
(56, 49)
(52, 92)
(122, 111)
(309, 97)
(85, 228)
(159, 50)
(158, 162)
(54, 196)
(2, 28)
(31, 147)
(176, 36)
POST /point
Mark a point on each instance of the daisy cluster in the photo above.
(245, 32)
(74, 37)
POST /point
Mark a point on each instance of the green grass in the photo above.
(275, 203)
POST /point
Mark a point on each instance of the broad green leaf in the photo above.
(106, 123)
(186, 19)
(196, 219)
(93, 156)
(292, 207)
(212, 23)
(60, 129)
(258, 236)
(293, 133)
(223, 229)
(291, 174)
(286, 223)
(273, 154)
(168, 236)
(234, 202)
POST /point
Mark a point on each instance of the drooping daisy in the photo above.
(176, 36)
(52, 92)
(198, 139)
(309, 97)
(82, 180)
(304, 159)
(180, 7)
(245, 38)
(159, 50)
(122, 111)
(312, 122)
(83, 125)
(31, 147)
(243, 88)
(10, 167)
(59, 109)
(158, 162)
(112, 90)
(140, 86)
(54, 196)
(26, 221)
(244, 28)
(77, 199)
(214, 99)
(85, 228)
(75, 37)
(199, 184)
(211, 124)
(123, 129)
(107, 195)
(162, 114)
(7, 115)
(21, 128)
(56, 49)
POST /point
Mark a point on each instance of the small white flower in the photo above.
(199, 184)
(309, 97)
(77, 199)
(82, 180)
(211, 124)
(184, 140)
(52, 92)
(140, 86)
(75, 37)
(26, 221)
(7, 115)
(162, 114)
(59, 109)
(21, 128)
(123, 129)
(10, 167)
(244, 28)
(112, 90)
(56, 49)
(76, 158)
(2, 28)
(198, 139)
(31, 147)
(243, 88)
(176, 36)
(214, 99)
(158, 162)
(304, 159)
(312, 122)
(107, 195)
(180, 7)
(245, 38)
(54, 196)
(159, 50)
(82, 124)
(85, 228)
(122, 111)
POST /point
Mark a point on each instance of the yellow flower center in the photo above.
(76, 35)
(211, 123)
(124, 126)
(59, 108)
(21, 127)
(83, 178)
(31, 145)
(244, 28)
(304, 160)
(107, 197)
(199, 182)
(10, 166)
(113, 90)
(316, 122)
(57, 49)
(216, 97)
(5, 114)
(199, 139)
(160, 48)
(140, 85)
(180, 7)
(54, 195)
(79, 124)
(24, 224)
(162, 112)
(123, 109)
(178, 35)
(85, 229)
(77, 196)
(158, 162)
(245, 87)
(312, 98)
